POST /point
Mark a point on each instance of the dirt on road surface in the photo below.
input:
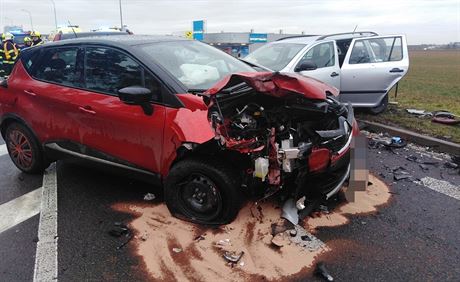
(174, 249)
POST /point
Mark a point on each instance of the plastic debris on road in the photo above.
(306, 240)
(223, 243)
(119, 230)
(322, 271)
(376, 140)
(233, 257)
(396, 142)
(420, 113)
(149, 197)
(445, 118)
(400, 173)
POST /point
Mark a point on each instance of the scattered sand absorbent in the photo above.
(158, 233)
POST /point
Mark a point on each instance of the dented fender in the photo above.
(185, 125)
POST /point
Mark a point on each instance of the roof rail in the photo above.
(296, 36)
(353, 34)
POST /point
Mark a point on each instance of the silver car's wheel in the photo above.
(381, 107)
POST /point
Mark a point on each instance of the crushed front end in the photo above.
(291, 132)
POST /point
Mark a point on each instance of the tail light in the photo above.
(319, 159)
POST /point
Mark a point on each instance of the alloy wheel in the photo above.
(20, 149)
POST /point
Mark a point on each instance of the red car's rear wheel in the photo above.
(24, 149)
(20, 148)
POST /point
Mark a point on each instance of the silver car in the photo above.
(362, 65)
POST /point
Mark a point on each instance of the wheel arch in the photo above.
(209, 149)
(8, 119)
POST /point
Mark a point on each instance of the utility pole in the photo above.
(55, 18)
(30, 17)
(121, 16)
(1, 16)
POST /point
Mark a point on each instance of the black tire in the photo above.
(190, 178)
(24, 149)
(381, 107)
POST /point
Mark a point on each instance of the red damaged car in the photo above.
(208, 127)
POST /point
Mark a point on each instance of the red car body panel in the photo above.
(99, 121)
(175, 135)
(185, 125)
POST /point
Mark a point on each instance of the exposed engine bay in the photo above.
(288, 139)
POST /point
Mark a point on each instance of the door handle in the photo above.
(334, 74)
(30, 92)
(396, 70)
(87, 109)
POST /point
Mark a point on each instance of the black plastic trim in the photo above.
(64, 149)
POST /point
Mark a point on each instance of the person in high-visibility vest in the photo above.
(9, 53)
(36, 38)
(27, 42)
(2, 71)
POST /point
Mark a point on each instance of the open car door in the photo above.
(372, 66)
(325, 61)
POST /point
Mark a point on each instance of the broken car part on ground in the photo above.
(443, 117)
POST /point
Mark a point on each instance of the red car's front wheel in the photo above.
(24, 149)
(203, 190)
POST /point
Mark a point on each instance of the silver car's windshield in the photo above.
(275, 56)
(198, 66)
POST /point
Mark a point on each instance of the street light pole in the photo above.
(30, 17)
(1, 16)
(55, 18)
(121, 16)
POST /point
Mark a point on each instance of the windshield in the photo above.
(198, 66)
(274, 56)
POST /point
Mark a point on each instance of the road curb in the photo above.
(435, 143)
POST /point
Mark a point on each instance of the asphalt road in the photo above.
(413, 238)
(17, 244)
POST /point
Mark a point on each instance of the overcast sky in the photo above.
(436, 21)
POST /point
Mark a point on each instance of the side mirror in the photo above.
(306, 66)
(136, 95)
(3, 83)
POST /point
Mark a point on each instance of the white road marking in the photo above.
(20, 209)
(46, 263)
(441, 186)
(3, 150)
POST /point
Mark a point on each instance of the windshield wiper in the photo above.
(196, 91)
(255, 65)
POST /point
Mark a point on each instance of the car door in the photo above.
(57, 73)
(110, 128)
(372, 66)
(324, 56)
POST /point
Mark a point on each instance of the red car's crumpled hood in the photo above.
(276, 84)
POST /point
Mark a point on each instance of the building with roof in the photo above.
(239, 44)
